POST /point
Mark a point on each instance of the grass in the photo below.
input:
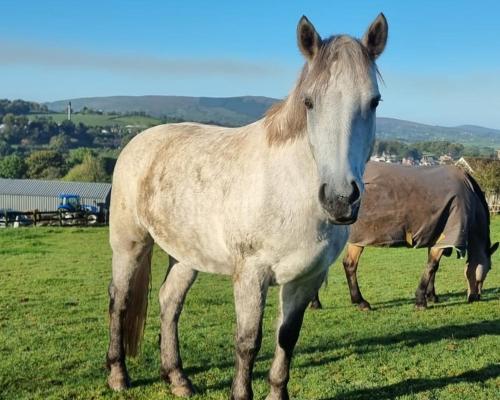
(102, 120)
(53, 328)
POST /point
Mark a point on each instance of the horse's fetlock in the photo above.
(118, 378)
(243, 393)
(278, 392)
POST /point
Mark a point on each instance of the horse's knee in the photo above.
(248, 343)
(433, 266)
(350, 266)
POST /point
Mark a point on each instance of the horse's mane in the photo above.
(482, 199)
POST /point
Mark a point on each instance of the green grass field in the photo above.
(53, 328)
(103, 120)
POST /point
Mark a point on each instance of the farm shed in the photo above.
(31, 194)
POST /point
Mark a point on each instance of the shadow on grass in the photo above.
(361, 346)
(413, 386)
(407, 338)
(445, 300)
(425, 336)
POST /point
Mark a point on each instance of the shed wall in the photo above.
(40, 203)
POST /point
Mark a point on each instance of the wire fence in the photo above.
(17, 219)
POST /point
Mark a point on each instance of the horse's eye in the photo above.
(308, 103)
(374, 103)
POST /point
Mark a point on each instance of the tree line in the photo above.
(20, 107)
(417, 150)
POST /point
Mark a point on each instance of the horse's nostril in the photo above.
(321, 194)
(355, 194)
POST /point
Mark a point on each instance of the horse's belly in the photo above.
(203, 257)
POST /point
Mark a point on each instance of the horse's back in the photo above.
(414, 207)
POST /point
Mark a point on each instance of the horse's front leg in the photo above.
(294, 299)
(434, 255)
(250, 290)
(316, 303)
(431, 289)
(172, 295)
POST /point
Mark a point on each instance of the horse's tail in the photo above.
(480, 194)
(482, 199)
(134, 319)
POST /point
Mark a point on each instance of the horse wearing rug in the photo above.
(442, 208)
(266, 203)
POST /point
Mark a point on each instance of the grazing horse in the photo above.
(266, 203)
(441, 208)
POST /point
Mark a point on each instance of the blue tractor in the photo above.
(72, 208)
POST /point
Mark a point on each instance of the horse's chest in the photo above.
(311, 257)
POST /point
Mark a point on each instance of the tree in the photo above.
(487, 174)
(76, 156)
(60, 142)
(12, 167)
(45, 164)
(67, 127)
(90, 170)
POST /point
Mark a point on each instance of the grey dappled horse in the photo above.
(266, 203)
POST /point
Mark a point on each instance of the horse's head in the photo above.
(477, 267)
(339, 91)
(479, 248)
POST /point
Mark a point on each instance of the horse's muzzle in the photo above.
(341, 209)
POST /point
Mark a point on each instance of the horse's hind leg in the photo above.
(431, 288)
(128, 293)
(434, 255)
(430, 293)
(350, 262)
(172, 295)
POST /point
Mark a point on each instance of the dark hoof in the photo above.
(433, 298)
(421, 307)
(315, 305)
(364, 306)
(473, 297)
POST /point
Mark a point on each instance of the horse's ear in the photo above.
(493, 248)
(308, 39)
(375, 37)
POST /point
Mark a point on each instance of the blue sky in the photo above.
(441, 65)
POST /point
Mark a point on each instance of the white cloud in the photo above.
(12, 53)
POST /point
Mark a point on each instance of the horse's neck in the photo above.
(292, 166)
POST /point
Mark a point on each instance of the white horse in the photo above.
(266, 203)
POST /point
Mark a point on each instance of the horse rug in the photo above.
(415, 207)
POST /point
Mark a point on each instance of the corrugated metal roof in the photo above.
(33, 187)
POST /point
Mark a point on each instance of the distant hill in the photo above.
(234, 111)
(406, 131)
(231, 111)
